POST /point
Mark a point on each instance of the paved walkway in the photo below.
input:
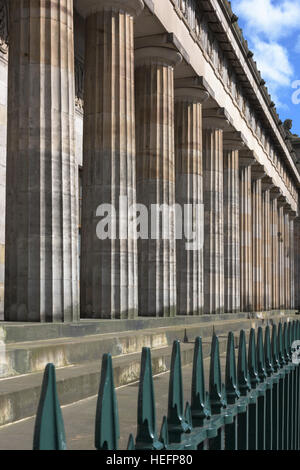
(79, 417)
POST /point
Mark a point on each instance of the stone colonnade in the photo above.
(148, 140)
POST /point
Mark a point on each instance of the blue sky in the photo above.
(272, 28)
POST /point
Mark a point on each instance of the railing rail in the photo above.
(258, 407)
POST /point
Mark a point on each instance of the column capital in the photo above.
(89, 7)
(267, 183)
(156, 55)
(293, 214)
(234, 140)
(195, 82)
(216, 119)
(281, 200)
(191, 94)
(287, 208)
(275, 191)
(258, 171)
(246, 158)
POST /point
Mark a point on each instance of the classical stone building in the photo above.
(159, 101)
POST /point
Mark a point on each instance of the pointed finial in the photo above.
(280, 346)
(146, 429)
(243, 375)
(232, 391)
(286, 343)
(199, 407)
(176, 421)
(260, 355)
(49, 432)
(275, 358)
(215, 384)
(130, 445)
(107, 431)
(268, 352)
(252, 365)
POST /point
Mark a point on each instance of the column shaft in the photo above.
(287, 267)
(109, 278)
(257, 244)
(231, 231)
(297, 262)
(189, 197)
(214, 221)
(267, 259)
(281, 263)
(156, 179)
(41, 279)
(246, 239)
(275, 254)
(292, 264)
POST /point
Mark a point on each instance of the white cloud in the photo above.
(273, 20)
(266, 24)
(273, 61)
(297, 45)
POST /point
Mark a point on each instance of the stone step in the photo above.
(32, 356)
(19, 396)
(23, 332)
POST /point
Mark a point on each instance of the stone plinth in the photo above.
(41, 217)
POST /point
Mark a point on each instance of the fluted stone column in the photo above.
(292, 259)
(109, 284)
(213, 127)
(297, 261)
(281, 258)
(156, 178)
(274, 194)
(287, 258)
(257, 244)
(189, 196)
(246, 233)
(267, 184)
(232, 291)
(41, 279)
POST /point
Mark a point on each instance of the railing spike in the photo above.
(215, 384)
(290, 338)
(107, 431)
(49, 432)
(232, 391)
(268, 352)
(261, 367)
(164, 433)
(130, 445)
(275, 358)
(286, 343)
(176, 422)
(281, 359)
(199, 406)
(252, 362)
(243, 375)
(146, 428)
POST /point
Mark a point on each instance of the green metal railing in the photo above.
(257, 408)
